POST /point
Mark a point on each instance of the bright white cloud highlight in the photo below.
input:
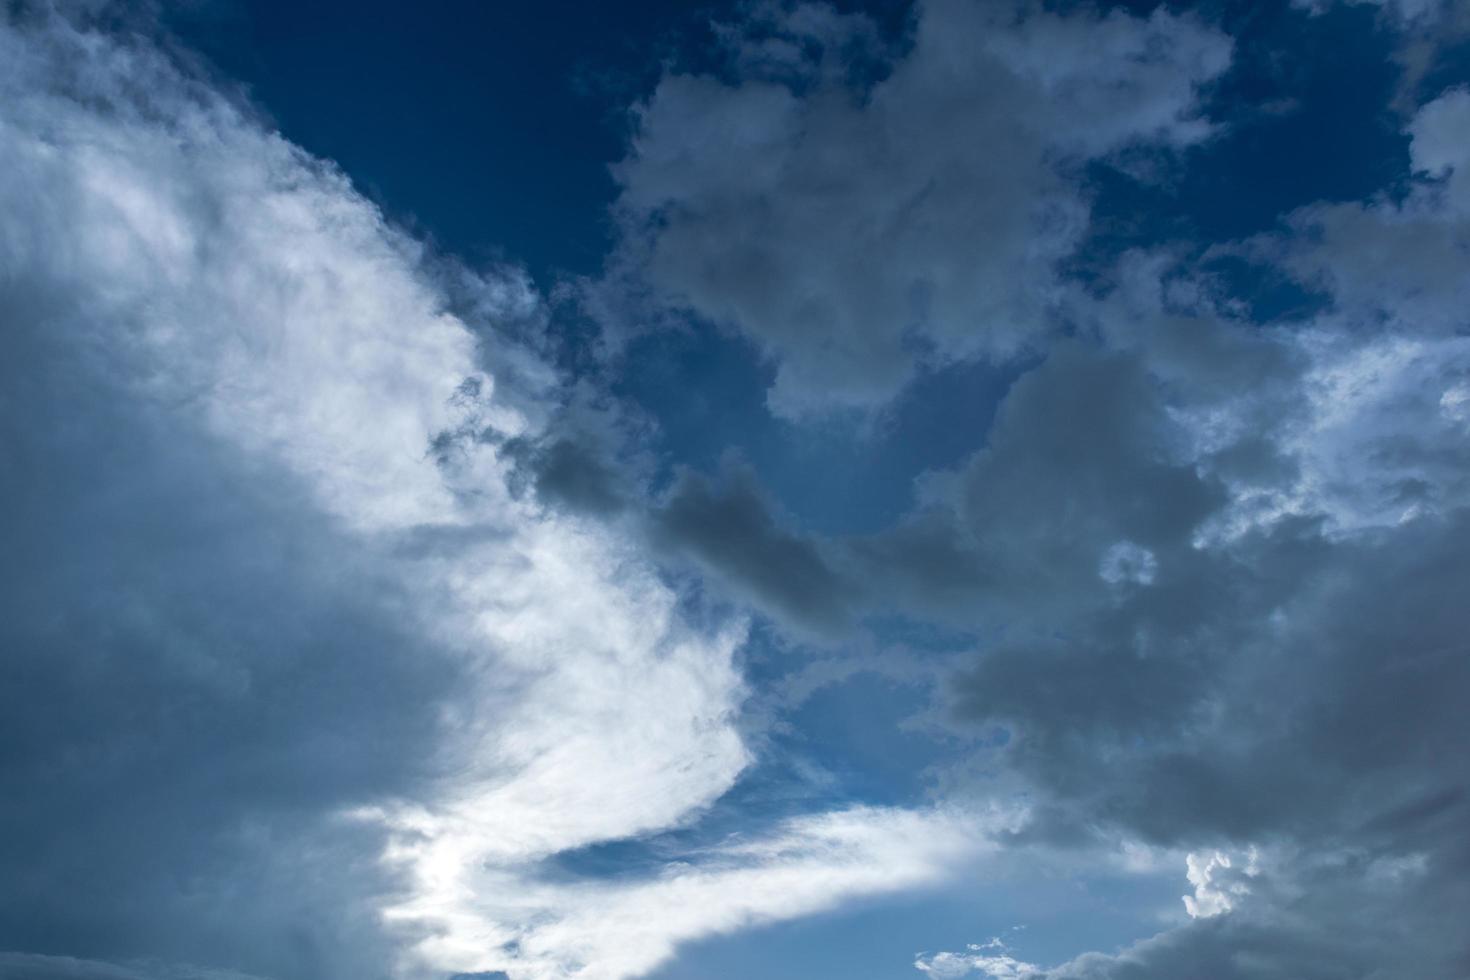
(988, 960)
(246, 289)
(1217, 881)
(625, 929)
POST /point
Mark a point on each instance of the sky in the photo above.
(950, 490)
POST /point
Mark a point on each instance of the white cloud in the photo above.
(615, 930)
(1374, 429)
(1355, 416)
(244, 289)
(1217, 881)
(989, 960)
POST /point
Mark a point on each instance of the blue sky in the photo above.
(958, 489)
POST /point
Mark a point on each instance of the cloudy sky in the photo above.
(692, 491)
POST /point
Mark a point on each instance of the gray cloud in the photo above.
(1289, 672)
(196, 670)
(1217, 567)
(568, 472)
(1293, 676)
(730, 529)
(1350, 913)
(295, 680)
(855, 232)
(1083, 458)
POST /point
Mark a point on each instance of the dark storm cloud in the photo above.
(195, 669)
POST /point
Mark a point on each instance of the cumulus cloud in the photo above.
(1385, 364)
(1223, 560)
(1437, 143)
(413, 653)
(1310, 591)
(1214, 890)
(854, 228)
(1394, 260)
(1216, 565)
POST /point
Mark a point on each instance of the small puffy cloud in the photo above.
(1128, 562)
(1440, 133)
(1216, 889)
(988, 960)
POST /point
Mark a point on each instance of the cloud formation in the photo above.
(857, 211)
(342, 638)
(1282, 677)
(350, 629)
(989, 960)
(1219, 560)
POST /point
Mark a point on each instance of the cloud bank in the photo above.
(247, 415)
